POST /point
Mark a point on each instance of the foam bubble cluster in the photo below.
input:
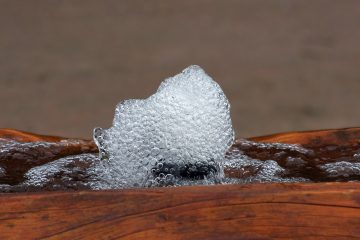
(185, 123)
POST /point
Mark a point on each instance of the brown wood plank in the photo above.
(314, 138)
(258, 211)
(21, 136)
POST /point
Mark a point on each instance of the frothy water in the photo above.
(186, 124)
(246, 162)
(245, 169)
(342, 169)
(181, 135)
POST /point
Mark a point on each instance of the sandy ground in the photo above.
(284, 65)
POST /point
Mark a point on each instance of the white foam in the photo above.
(69, 171)
(186, 121)
(261, 171)
(341, 169)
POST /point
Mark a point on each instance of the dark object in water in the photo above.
(196, 171)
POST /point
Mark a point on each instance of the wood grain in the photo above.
(21, 136)
(316, 138)
(262, 211)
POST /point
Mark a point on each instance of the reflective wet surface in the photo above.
(38, 166)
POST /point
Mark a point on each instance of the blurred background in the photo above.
(284, 65)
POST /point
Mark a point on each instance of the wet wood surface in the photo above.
(17, 161)
(255, 211)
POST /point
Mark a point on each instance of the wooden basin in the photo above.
(250, 211)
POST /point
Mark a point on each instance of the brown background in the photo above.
(284, 65)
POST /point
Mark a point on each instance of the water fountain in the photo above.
(169, 166)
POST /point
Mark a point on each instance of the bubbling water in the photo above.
(181, 135)
(184, 129)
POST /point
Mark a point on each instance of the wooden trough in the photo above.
(250, 211)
